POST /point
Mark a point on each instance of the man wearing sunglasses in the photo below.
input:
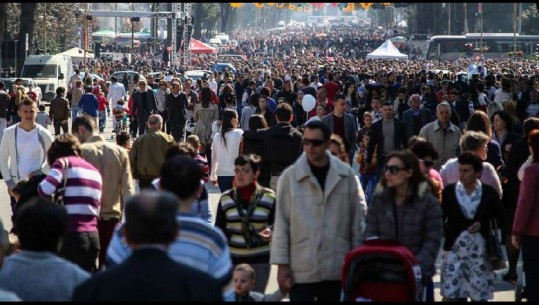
(319, 219)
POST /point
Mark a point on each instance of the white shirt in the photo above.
(29, 152)
(213, 85)
(501, 96)
(116, 93)
(222, 159)
(74, 79)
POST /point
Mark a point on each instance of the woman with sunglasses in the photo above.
(404, 210)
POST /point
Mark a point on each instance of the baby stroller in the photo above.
(381, 270)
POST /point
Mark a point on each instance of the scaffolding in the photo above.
(182, 20)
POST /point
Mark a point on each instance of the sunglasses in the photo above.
(427, 163)
(315, 142)
(393, 169)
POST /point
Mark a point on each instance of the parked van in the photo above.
(49, 72)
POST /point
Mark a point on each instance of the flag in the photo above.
(480, 8)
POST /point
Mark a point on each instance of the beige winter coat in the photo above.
(314, 230)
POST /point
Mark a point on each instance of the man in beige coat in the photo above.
(112, 161)
(320, 214)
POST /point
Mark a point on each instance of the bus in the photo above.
(498, 45)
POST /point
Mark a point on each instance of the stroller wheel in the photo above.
(519, 289)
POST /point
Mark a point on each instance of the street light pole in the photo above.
(448, 18)
(16, 68)
(45, 29)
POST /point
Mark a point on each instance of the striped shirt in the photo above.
(229, 220)
(82, 192)
(203, 163)
(199, 245)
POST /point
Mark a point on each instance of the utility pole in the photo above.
(520, 18)
(26, 46)
(448, 18)
(45, 28)
(465, 6)
(480, 11)
(16, 69)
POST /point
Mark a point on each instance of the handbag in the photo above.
(251, 235)
(59, 195)
(493, 246)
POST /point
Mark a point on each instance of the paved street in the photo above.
(504, 291)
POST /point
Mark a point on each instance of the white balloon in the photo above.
(308, 102)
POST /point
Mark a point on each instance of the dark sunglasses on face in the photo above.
(428, 163)
(393, 169)
(315, 142)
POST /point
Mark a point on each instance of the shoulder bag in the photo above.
(59, 195)
(494, 252)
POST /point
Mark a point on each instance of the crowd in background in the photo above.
(441, 154)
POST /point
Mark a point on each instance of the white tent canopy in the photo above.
(77, 54)
(386, 51)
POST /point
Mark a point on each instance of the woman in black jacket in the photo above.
(253, 143)
(468, 206)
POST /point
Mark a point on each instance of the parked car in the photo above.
(223, 67)
(156, 75)
(121, 75)
(195, 75)
(26, 82)
(92, 75)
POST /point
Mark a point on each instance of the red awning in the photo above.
(199, 47)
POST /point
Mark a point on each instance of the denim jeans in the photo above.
(368, 183)
(75, 110)
(102, 120)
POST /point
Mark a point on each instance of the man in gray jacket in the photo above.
(319, 218)
(443, 134)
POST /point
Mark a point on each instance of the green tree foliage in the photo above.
(530, 21)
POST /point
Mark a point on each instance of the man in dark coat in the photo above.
(149, 274)
(143, 105)
(176, 107)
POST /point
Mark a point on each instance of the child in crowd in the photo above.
(43, 118)
(101, 108)
(120, 113)
(244, 282)
(194, 141)
(123, 139)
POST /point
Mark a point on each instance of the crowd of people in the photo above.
(440, 158)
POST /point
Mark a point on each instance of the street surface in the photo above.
(504, 291)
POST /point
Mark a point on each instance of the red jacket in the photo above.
(103, 103)
(527, 214)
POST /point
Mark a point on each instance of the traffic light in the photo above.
(97, 50)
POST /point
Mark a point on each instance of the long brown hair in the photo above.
(533, 142)
(410, 161)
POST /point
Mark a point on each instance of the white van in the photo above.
(49, 72)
